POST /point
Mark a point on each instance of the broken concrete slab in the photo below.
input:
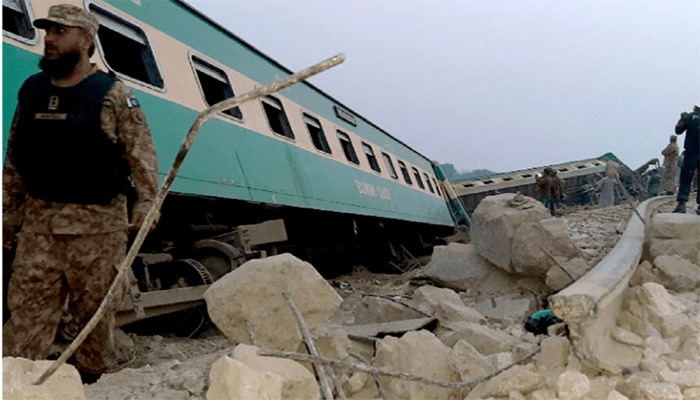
(19, 374)
(484, 339)
(445, 305)
(460, 267)
(572, 385)
(554, 354)
(503, 308)
(671, 233)
(468, 362)
(381, 329)
(252, 295)
(560, 276)
(297, 381)
(372, 309)
(521, 378)
(678, 273)
(418, 353)
(233, 380)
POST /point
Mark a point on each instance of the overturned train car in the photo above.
(296, 171)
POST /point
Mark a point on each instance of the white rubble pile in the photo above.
(478, 333)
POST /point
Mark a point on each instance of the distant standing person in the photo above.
(670, 154)
(689, 123)
(549, 189)
(77, 140)
(606, 188)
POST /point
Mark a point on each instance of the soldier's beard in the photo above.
(62, 66)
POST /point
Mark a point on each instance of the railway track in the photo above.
(591, 305)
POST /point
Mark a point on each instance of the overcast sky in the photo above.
(496, 84)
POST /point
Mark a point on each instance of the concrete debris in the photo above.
(484, 339)
(297, 381)
(332, 341)
(675, 234)
(565, 272)
(521, 379)
(480, 311)
(232, 380)
(381, 329)
(468, 362)
(460, 267)
(19, 374)
(503, 308)
(677, 273)
(376, 310)
(252, 295)
(535, 243)
(419, 353)
(494, 223)
(555, 353)
(445, 305)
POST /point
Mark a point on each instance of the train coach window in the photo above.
(215, 85)
(318, 137)
(404, 172)
(345, 115)
(437, 187)
(427, 181)
(126, 49)
(416, 175)
(390, 166)
(17, 21)
(348, 148)
(276, 117)
(371, 158)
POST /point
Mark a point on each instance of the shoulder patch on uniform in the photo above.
(131, 102)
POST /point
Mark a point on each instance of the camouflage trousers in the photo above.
(49, 270)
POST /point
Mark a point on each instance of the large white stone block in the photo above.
(495, 221)
(252, 294)
(19, 374)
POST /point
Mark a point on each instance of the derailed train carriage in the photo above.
(296, 171)
(579, 179)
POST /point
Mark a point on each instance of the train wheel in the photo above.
(218, 258)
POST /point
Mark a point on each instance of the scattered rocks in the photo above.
(479, 332)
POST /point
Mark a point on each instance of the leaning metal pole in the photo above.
(167, 182)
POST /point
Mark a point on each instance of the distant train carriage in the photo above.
(296, 171)
(578, 177)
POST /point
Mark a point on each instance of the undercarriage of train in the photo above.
(199, 240)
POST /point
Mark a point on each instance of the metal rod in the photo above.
(153, 212)
(629, 201)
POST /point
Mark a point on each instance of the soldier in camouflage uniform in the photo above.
(670, 153)
(77, 140)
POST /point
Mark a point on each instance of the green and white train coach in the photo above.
(303, 172)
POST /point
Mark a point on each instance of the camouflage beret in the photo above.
(69, 15)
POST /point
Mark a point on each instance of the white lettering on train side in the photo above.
(371, 190)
